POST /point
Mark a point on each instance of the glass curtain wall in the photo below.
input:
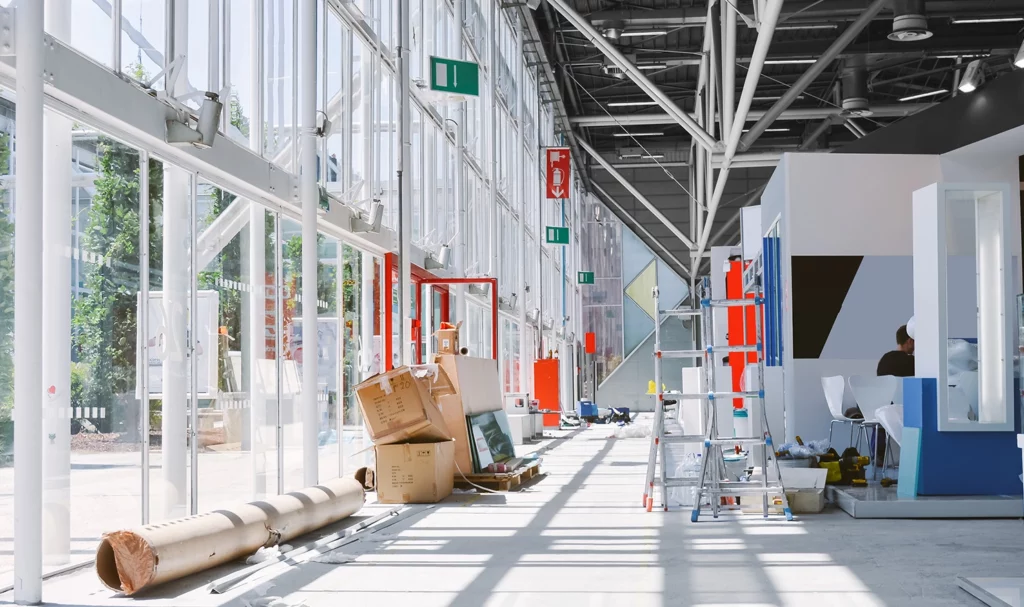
(227, 271)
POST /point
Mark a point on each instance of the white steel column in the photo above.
(175, 300)
(405, 294)
(257, 270)
(57, 313)
(728, 66)
(492, 136)
(461, 254)
(770, 17)
(310, 197)
(28, 313)
(520, 175)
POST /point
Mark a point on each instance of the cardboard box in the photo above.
(421, 473)
(476, 381)
(448, 340)
(477, 390)
(398, 406)
(805, 489)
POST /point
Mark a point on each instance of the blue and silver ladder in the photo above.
(713, 484)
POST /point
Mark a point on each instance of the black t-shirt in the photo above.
(897, 363)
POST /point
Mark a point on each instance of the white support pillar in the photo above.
(728, 66)
(405, 294)
(492, 137)
(175, 299)
(310, 196)
(461, 253)
(57, 313)
(257, 268)
(525, 355)
(28, 312)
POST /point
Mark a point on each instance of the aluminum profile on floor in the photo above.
(874, 501)
(994, 591)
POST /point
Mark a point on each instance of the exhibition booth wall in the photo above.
(847, 264)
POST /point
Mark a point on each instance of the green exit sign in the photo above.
(451, 76)
(585, 278)
(555, 235)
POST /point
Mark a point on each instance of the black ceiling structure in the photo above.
(665, 39)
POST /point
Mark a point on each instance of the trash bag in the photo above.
(633, 431)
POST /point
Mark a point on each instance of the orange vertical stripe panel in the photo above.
(545, 387)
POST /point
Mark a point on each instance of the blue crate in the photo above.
(586, 408)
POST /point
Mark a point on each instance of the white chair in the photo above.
(890, 417)
(871, 394)
(834, 388)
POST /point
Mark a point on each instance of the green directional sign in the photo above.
(451, 76)
(555, 235)
(585, 278)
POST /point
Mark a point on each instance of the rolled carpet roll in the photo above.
(139, 558)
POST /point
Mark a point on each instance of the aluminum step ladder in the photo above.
(667, 429)
(713, 482)
(710, 483)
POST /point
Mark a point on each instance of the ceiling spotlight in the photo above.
(923, 95)
(974, 76)
(652, 156)
(614, 71)
(651, 66)
(1018, 59)
(612, 31)
(910, 23)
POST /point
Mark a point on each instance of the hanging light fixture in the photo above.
(974, 76)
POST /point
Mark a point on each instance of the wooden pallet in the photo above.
(501, 481)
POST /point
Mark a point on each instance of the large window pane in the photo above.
(143, 38)
(92, 451)
(290, 373)
(280, 90)
(237, 428)
(329, 354)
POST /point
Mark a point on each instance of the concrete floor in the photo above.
(579, 537)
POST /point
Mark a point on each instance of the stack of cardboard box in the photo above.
(414, 447)
(419, 420)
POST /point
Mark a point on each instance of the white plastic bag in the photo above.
(633, 431)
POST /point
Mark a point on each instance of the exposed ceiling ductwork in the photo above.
(855, 91)
(910, 22)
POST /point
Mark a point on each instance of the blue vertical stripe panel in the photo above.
(777, 256)
(770, 298)
(772, 278)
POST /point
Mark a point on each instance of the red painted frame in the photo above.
(494, 302)
(421, 276)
